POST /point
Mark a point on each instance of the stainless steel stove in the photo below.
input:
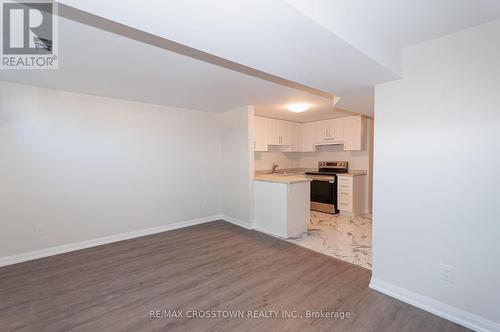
(324, 185)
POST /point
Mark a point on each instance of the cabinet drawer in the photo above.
(345, 205)
(345, 179)
(345, 186)
(345, 195)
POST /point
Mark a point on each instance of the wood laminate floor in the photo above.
(214, 266)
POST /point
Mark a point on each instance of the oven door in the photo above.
(323, 194)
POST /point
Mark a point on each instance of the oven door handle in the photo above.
(322, 179)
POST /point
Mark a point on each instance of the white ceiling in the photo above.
(101, 63)
(268, 35)
(315, 113)
(343, 47)
(262, 52)
(382, 28)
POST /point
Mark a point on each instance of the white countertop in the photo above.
(297, 175)
(353, 173)
(282, 178)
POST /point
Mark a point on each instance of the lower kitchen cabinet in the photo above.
(350, 194)
(282, 209)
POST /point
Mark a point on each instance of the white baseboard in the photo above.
(236, 222)
(265, 231)
(14, 259)
(248, 226)
(441, 309)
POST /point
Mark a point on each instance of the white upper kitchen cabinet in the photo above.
(273, 136)
(337, 128)
(284, 133)
(320, 131)
(308, 137)
(278, 132)
(294, 138)
(302, 137)
(354, 133)
(329, 130)
(260, 134)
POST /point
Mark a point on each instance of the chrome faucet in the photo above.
(275, 168)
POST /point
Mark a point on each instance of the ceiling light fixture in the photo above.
(299, 107)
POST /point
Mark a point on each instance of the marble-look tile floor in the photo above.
(343, 237)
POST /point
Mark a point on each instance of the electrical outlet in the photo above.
(38, 229)
(205, 203)
(447, 272)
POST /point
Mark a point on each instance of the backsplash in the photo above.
(265, 160)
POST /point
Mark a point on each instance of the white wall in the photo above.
(237, 165)
(437, 158)
(86, 167)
